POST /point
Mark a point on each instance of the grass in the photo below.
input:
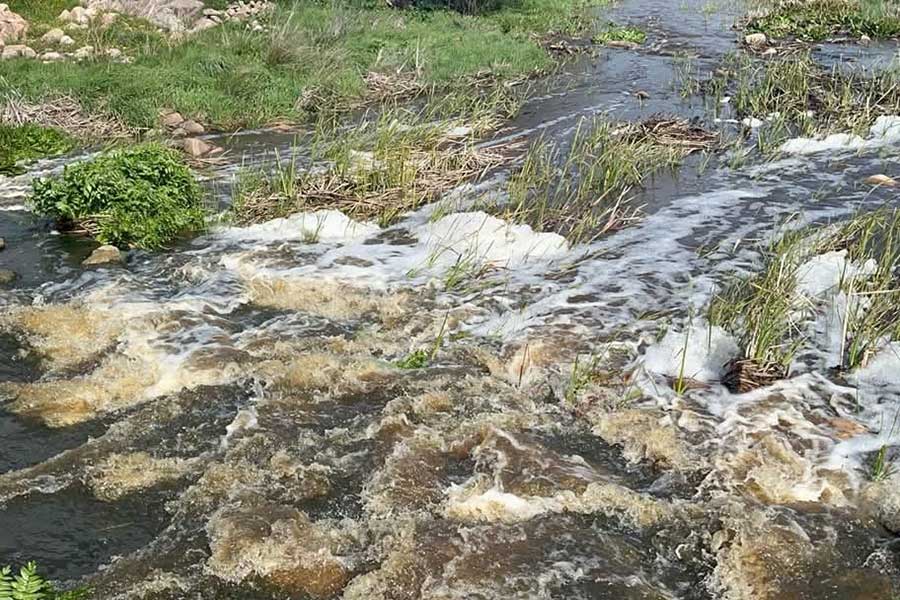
(799, 97)
(613, 33)
(143, 196)
(760, 312)
(30, 142)
(384, 166)
(816, 20)
(873, 310)
(584, 190)
(314, 56)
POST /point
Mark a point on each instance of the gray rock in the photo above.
(7, 276)
(17, 51)
(196, 148)
(52, 57)
(2, 244)
(756, 40)
(83, 53)
(66, 41)
(103, 255)
(191, 127)
(53, 36)
(172, 119)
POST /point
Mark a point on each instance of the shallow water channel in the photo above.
(223, 420)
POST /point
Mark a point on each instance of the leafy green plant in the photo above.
(620, 33)
(418, 359)
(30, 142)
(28, 584)
(141, 196)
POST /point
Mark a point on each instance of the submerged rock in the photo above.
(882, 180)
(2, 243)
(7, 276)
(103, 255)
(196, 148)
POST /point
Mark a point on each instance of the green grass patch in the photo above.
(619, 33)
(22, 143)
(815, 20)
(313, 57)
(143, 196)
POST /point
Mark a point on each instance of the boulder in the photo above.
(172, 119)
(13, 27)
(203, 24)
(7, 276)
(193, 128)
(66, 41)
(756, 40)
(52, 57)
(196, 148)
(17, 51)
(2, 244)
(53, 36)
(103, 255)
(83, 53)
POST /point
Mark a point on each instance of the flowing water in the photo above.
(223, 420)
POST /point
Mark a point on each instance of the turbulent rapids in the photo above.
(230, 419)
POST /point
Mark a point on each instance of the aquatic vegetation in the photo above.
(760, 312)
(141, 196)
(418, 359)
(816, 20)
(376, 171)
(584, 190)
(620, 33)
(794, 95)
(29, 142)
(28, 584)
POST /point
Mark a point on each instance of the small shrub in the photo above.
(30, 142)
(142, 196)
(28, 584)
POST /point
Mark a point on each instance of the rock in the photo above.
(79, 15)
(193, 128)
(7, 276)
(113, 53)
(212, 12)
(17, 51)
(13, 27)
(103, 255)
(66, 41)
(172, 119)
(2, 244)
(459, 132)
(865, 40)
(881, 180)
(52, 57)
(83, 53)
(53, 36)
(203, 24)
(108, 19)
(196, 148)
(756, 40)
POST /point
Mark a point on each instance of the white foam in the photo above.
(320, 226)
(822, 275)
(699, 353)
(885, 131)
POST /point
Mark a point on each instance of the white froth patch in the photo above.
(330, 226)
(700, 353)
(494, 505)
(883, 369)
(485, 239)
(822, 275)
(885, 131)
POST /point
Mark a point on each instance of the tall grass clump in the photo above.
(760, 312)
(797, 96)
(872, 319)
(584, 189)
(142, 196)
(382, 167)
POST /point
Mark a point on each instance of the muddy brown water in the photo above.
(223, 420)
